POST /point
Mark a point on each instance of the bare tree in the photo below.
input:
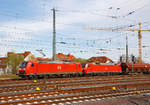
(13, 60)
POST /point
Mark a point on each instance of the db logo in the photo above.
(59, 67)
(106, 68)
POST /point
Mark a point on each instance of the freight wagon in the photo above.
(135, 68)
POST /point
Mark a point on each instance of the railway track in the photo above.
(47, 88)
(66, 84)
(21, 81)
(65, 97)
(73, 91)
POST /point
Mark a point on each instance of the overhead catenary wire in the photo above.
(76, 42)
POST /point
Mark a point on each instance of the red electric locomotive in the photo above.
(34, 69)
(102, 68)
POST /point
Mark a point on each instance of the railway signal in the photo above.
(126, 29)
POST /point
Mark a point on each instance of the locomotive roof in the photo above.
(57, 62)
(104, 63)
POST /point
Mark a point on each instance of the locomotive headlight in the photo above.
(22, 69)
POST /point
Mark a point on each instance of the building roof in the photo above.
(25, 54)
(63, 57)
(100, 59)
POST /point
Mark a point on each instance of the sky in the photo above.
(27, 25)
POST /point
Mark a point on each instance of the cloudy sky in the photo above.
(26, 25)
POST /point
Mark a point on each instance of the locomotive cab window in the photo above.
(24, 64)
(83, 65)
(32, 65)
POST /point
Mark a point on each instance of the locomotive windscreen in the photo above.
(24, 64)
(83, 65)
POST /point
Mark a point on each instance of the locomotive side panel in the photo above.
(103, 68)
(58, 68)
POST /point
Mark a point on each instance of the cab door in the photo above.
(31, 68)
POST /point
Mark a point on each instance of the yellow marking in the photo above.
(37, 88)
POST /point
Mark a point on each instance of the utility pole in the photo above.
(54, 36)
(126, 48)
